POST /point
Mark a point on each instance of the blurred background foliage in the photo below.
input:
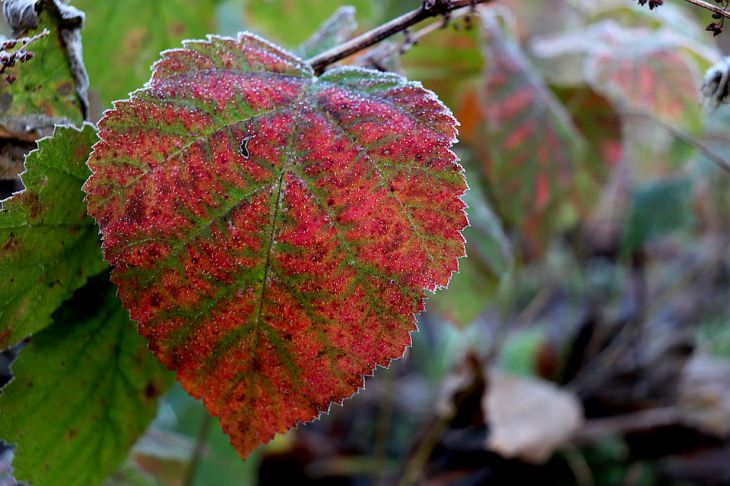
(586, 338)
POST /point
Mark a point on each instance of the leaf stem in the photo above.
(199, 448)
(441, 7)
(710, 7)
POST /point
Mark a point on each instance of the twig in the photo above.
(710, 7)
(683, 137)
(400, 24)
(198, 451)
(382, 431)
(598, 429)
(376, 57)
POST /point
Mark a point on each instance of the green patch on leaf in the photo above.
(85, 389)
(48, 245)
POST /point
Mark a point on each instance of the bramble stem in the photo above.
(710, 7)
(400, 24)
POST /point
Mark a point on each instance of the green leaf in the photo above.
(84, 390)
(46, 85)
(124, 37)
(49, 246)
(334, 31)
(446, 61)
(291, 23)
(657, 209)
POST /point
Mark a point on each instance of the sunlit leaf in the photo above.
(49, 245)
(84, 390)
(124, 37)
(273, 232)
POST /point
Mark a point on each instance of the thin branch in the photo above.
(683, 137)
(710, 7)
(377, 56)
(197, 456)
(400, 24)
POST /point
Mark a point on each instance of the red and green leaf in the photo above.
(535, 152)
(274, 233)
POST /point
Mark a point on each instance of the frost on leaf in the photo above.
(271, 284)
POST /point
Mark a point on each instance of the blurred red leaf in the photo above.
(535, 152)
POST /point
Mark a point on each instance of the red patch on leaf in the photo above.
(272, 275)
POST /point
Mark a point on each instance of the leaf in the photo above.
(529, 418)
(49, 245)
(650, 80)
(657, 209)
(84, 389)
(490, 261)
(652, 72)
(446, 61)
(125, 38)
(535, 151)
(334, 31)
(51, 87)
(291, 23)
(273, 232)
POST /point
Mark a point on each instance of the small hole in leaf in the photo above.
(244, 146)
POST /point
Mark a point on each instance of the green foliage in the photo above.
(49, 245)
(334, 31)
(85, 388)
(658, 209)
(292, 22)
(45, 85)
(124, 38)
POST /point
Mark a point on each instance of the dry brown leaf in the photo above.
(528, 418)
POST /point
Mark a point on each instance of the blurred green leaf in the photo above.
(657, 209)
(45, 85)
(490, 258)
(220, 464)
(334, 31)
(123, 38)
(84, 390)
(290, 22)
(446, 61)
(49, 245)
